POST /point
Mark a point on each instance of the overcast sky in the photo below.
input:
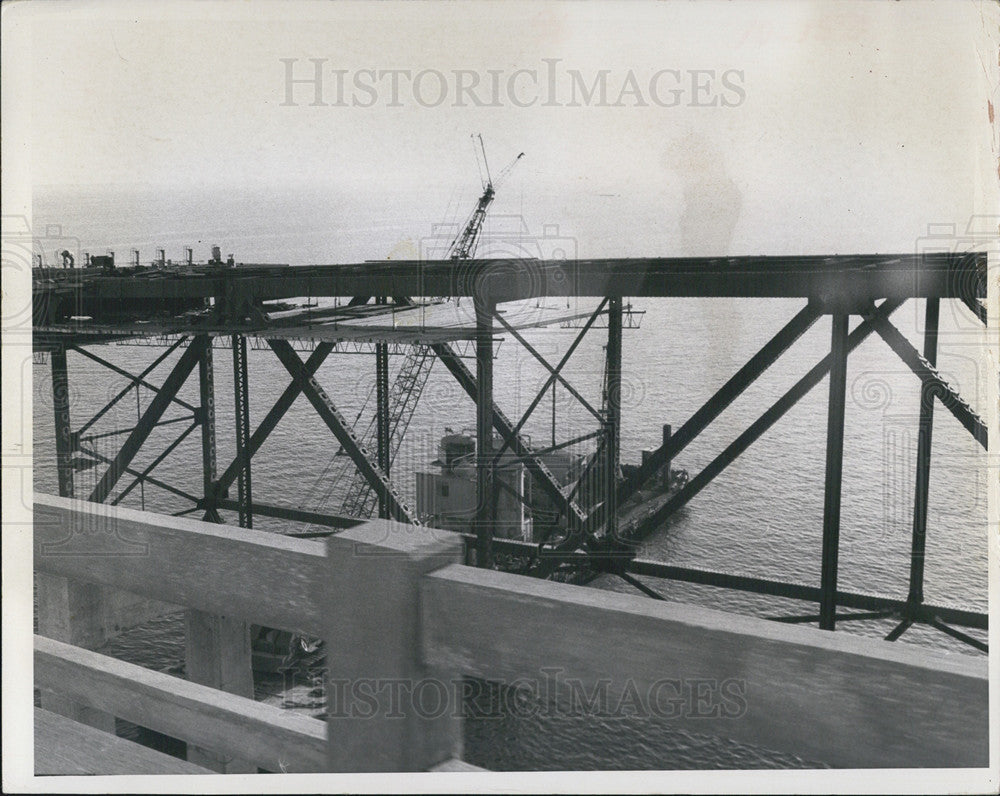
(747, 115)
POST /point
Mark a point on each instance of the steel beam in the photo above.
(206, 417)
(834, 471)
(509, 438)
(560, 445)
(382, 421)
(132, 383)
(796, 591)
(760, 426)
(976, 307)
(139, 479)
(119, 431)
(132, 378)
(876, 276)
(64, 432)
(717, 404)
(161, 400)
(814, 617)
(924, 432)
(241, 395)
(744, 583)
(294, 514)
(965, 638)
(933, 383)
(899, 629)
(148, 478)
(641, 586)
(274, 415)
(485, 495)
(612, 419)
(341, 429)
(554, 371)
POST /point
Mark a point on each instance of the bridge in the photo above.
(196, 309)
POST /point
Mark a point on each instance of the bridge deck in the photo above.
(942, 274)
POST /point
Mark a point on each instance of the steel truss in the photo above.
(591, 540)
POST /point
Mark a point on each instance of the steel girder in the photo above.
(163, 398)
(341, 429)
(762, 424)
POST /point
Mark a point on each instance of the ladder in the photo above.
(361, 500)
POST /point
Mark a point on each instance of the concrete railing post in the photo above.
(387, 710)
(217, 654)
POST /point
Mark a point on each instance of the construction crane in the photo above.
(464, 245)
(360, 499)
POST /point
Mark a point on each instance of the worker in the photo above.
(67, 259)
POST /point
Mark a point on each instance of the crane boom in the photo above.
(360, 499)
(464, 245)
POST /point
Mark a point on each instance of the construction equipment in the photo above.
(464, 245)
(360, 499)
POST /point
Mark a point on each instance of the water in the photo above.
(761, 517)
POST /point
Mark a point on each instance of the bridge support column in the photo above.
(667, 433)
(63, 429)
(382, 416)
(918, 547)
(206, 418)
(834, 470)
(612, 420)
(485, 506)
(241, 392)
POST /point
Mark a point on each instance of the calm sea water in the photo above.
(762, 516)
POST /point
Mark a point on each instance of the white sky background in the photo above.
(862, 122)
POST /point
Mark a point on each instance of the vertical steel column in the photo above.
(553, 414)
(69, 610)
(217, 648)
(241, 391)
(485, 507)
(924, 430)
(834, 470)
(64, 433)
(667, 434)
(612, 419)
(382, 416)
(206, 418)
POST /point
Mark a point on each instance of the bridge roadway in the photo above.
(856, 277)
